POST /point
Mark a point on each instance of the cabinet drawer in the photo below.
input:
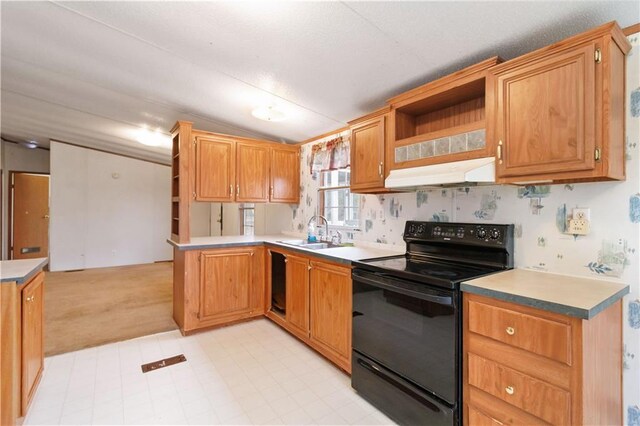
(551, 339)
(534, 396)
(478, 418)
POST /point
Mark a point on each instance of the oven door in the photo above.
(410, 329)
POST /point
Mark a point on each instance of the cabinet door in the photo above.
(297, 289)
(285, 175)
(252, 171)
(546, 115)
(215, 169)
(32, 338)
(225, 284)
(367, 154)
(330, 312)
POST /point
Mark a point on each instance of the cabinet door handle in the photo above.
(510, 331)
(230, 190)
(380, 168)
(271, 191)
(238, 190)
(510, 390)
(30, 298)
(309, 267)
(499, 153)
(286, 260)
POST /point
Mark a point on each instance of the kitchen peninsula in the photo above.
(21, 334)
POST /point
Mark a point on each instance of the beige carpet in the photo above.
(97, 306)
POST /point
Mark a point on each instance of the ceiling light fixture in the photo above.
(29, 144)
(156, 138)
(269, 113)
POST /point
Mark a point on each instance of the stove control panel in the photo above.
(471, 233)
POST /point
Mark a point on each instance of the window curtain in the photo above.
(331, 155)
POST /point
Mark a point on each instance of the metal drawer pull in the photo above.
(30, 298)
(510, 331)
(510, 390)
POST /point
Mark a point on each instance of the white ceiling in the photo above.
(94, 73)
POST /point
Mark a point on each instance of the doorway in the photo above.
(28, 215)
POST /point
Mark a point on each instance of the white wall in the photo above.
(107, 210)
(17, 158)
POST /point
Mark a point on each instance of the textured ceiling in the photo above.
(94, 73)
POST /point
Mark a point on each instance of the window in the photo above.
(247, 218)
(335, 200)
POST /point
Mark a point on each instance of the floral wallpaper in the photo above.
(611, 250)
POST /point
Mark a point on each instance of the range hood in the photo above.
(470, 172)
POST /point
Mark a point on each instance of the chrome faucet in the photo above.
(326, 224)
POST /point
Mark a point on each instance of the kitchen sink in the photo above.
(311, 246)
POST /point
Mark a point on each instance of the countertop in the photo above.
(20, 270)
(344, 255)
(573, 296)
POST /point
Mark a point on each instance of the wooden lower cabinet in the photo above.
(528, 366)
(318, 306)
(330, 312)
(217, 287)
(297, 290)
(223, 286)
(22, 354)
(32, 338)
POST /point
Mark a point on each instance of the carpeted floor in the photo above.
(97, 306)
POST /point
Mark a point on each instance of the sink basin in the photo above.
(308, 245)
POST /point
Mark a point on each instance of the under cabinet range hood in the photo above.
(469, 172)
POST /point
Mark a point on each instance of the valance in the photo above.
(330, 155)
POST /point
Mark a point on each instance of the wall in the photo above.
(269, 219)
(107, 210)
(19, 159)
(611, 250)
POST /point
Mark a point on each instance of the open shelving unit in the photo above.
(180, 201)
(450, 107)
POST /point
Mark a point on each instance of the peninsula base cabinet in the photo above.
(22, 356)
(529, 366)
(318, 305)
(217, 287)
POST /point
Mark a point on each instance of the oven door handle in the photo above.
(441, 300)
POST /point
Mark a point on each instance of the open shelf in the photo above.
(442, 114)
(449, 131)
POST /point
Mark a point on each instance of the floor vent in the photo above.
(163, 363)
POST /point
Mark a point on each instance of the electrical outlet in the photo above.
(578, 227)
(582, 213)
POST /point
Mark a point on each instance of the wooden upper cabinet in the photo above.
(285, 174)
(367, 154)
(245, 171)
(215, 169)
(252, 171)
(297, 288)
(32, 338)
(558, 112)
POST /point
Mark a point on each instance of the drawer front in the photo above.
(534, 396)
(478, 418)
(551, 339)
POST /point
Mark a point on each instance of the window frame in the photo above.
(241, 210)
(321, 198)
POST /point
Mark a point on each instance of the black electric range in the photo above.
(407, 318)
